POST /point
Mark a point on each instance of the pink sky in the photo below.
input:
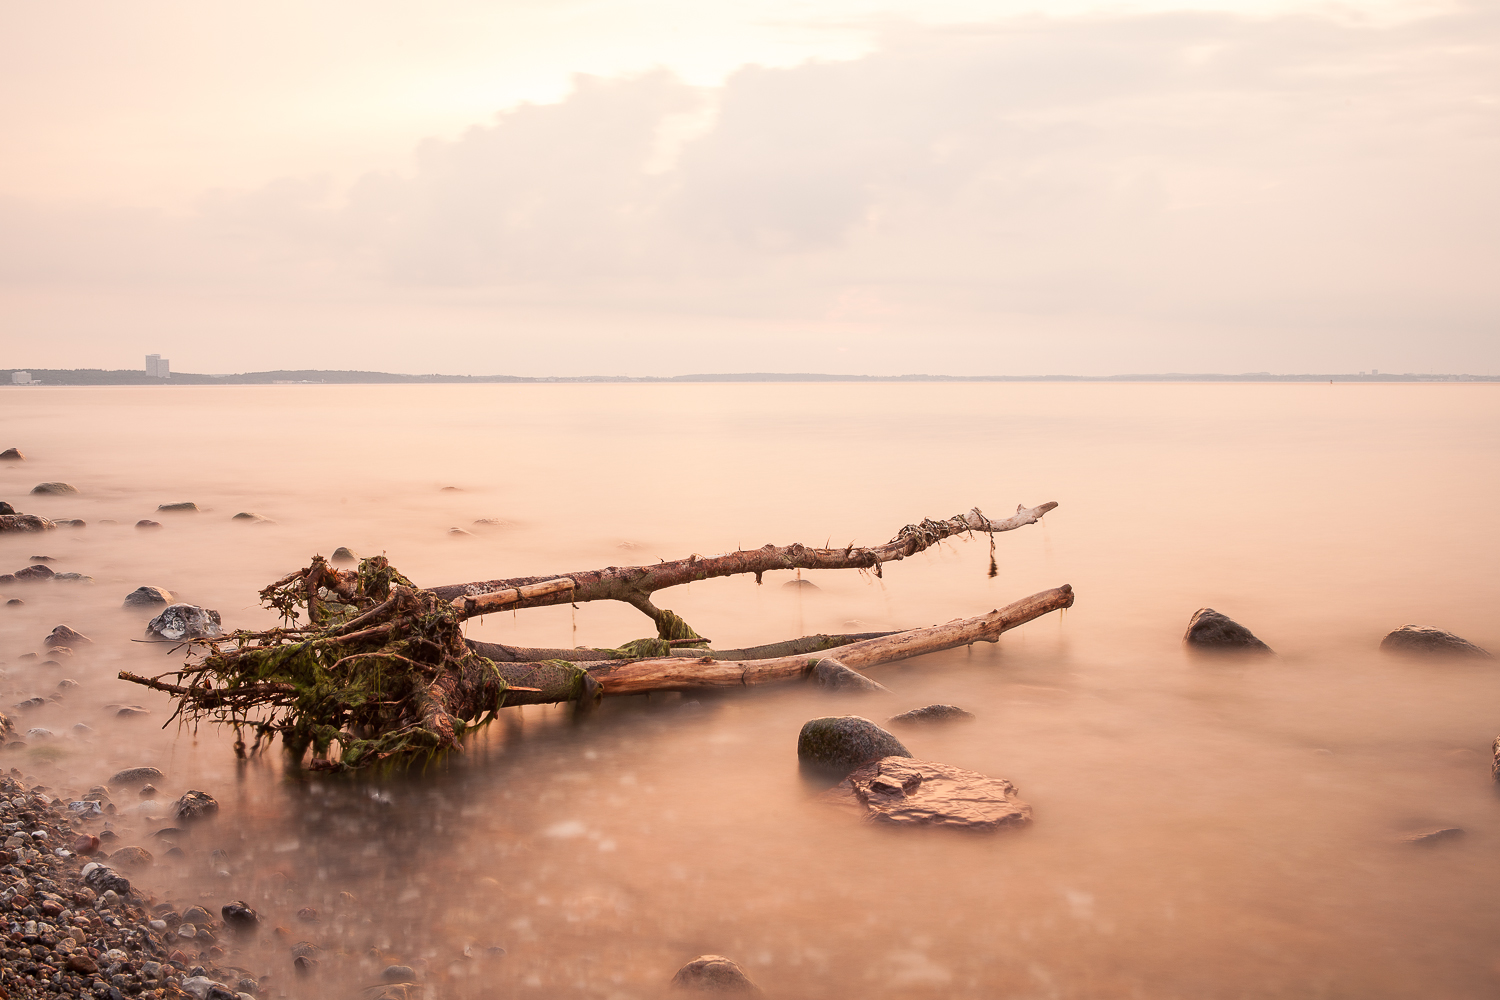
(667, 187)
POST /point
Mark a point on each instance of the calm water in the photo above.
(1201, 831)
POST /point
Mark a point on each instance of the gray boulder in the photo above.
(185, 621)
(1211, 632)
(833, 674)
(146, 597)
(839, 744)
(23, 522)
(713, 974)
(906, 792)
(39, 571)
(1415, 640)
(930, 714)
(53, 488)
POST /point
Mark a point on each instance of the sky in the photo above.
(550, 187)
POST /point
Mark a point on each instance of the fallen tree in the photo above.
(378, 667)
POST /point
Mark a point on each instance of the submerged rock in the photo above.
(184, 507)
(145, 597)
(250, 518)
(800, 585)
(132, 858)
(833, 674)
(133, 777)
(839, 744)
(930, 714)
(6, 508)
(73, 578)
(24, 522)
(102, 879)
(1431, 838)
(344, 554)
(1416, 640)
(40, 571)
(239, 916)
(399, 974)
(907, 792)
(184, 621)
(54, 488)
(1210, 631)
(12, 455)
(713, 974)
(146, 522)
(195, 805)
(67, 638)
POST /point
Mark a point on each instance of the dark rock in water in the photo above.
(6, 508)
(907, 792)
(1431, 838)
(839, 744)
(713, 974)
(132, 712)
(495, 522)
(53, 488)
(41, 571)
(459, 532)
(250, 518)
(145, 597)
(147, 523)
(239, 916)
(73, 578)
(1415, 640)
(44, 559)
(7, 578)
(833, 674)
(5, 724)
(133, 777)
(197, 916)
(102, 879)
(14, 602)
(195, 805)
(132, 858)
(932, 713)
(70, 522)
(344, 554)
(184, 621)
(185, 507)
(399, 974)
(801, 585)
(1212, 632)
(12, 455)
(66, 637)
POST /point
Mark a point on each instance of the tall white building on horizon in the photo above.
(158, 366)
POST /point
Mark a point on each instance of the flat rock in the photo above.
(908, 792)
(39, 571)
(713, 974)
(184, 507)
(53, 488)
(1210, 631)
(839, 744)
(145, 597)
(73, 578)
(930, 714)
(71, 522)
(1431, 838)
(67, 638)
(134, 777)
(247, 516)
(184, 621)
(12, 455)
(1417, 640)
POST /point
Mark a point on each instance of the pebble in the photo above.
(40, 571)
(399, 974)
(240, 916)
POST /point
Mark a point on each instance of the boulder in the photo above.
(1431, 838)
(907, 792)
(134, 777)
(71, 522)
(23, 522)
(132, 859)
(184, 621)
(73, 578)
(39, 571)
(185, 507)
(839, 744)
(240, 917)
(250, 518)
(344, 554)
(1211, 632)
(146, 522)
(12, 455)
(53, 488)
(713, 974)
(195, 805)
(6, 508)
(800, 585)
(67, 638)
(399, 974)
(832, 674)
(102, 879)
(1415, 640)
(146, 597)
(930, 714)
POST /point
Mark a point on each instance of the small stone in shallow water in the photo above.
(145, 597)
(43, 559)
(133, 776)
(132, 712)
(184, 507)
(12, 455)
(40, 571)
(399, 974)
(1211, 632)
(1431, 838)
(713, 974)
(839, 744)
(146, 522)
(907, 792)
(344, 554)
(931, 713)
(195, 805)
(308, 914)
(240, 916)
(132, 858)
(1415, 640)
(184, 621)
(55, 488)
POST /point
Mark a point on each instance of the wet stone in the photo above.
(145, 597)
(1210, 631)
(67, 638)
(184, 621)
(12, 455)
(195, 805)
(399, 974)
(132, 859)
(713, 974)
(931, 714)
(839, 744)
(902, 791)
(1432, 838)
(146, 522)
(344, 554)
(40, 571)
(1416, 640)
(240, 916)
(133, 776)
(53, 488)
(184, 507)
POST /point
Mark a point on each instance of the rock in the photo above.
(459, 532)
(133, 777)
(80, 962)
(73, 578)
(185, 507)
(399, 974)
(199, 986)
(832, 674)
(344, 554)
(801, 585)
(909, 792)
(14, 602)
(70, 522)
(6, 508)
(195, 805)
(1415, 640)
(1432, 838)
(53, 488)
(41, 571)
(839, 744)
(1212, 632)
(85, 844)
(67, 638)
(240, 916)
(184, 621)
(713, 974)
(132, 859)
(102, 879)
(24, 522)
(930, 714)
(495, 522)
(12, 455)
(44, 559)
(147, 523)
(250, 518)
(145, 597)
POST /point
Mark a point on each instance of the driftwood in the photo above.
(381, 669)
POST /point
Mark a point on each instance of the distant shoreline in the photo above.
(98, 376)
